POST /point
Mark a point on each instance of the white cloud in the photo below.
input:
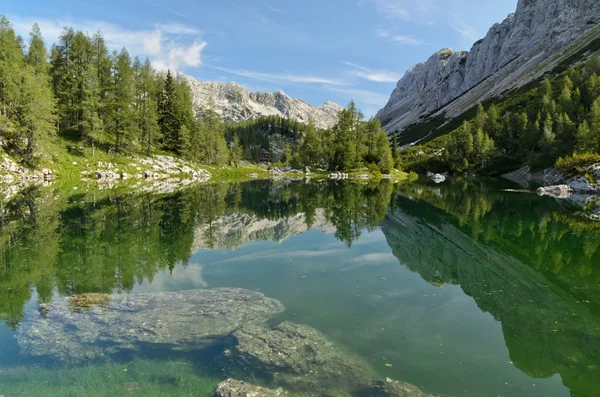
(274, 9)
(405, 40)
(377, 76)
(469, 32)
(286, 78)
(406, 9)
(152, 43)
(397, 38)
(178, 28)
(169, 46)
(362, 96)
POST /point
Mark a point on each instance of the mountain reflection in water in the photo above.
(527, 261)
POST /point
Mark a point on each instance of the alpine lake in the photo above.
(321, 288)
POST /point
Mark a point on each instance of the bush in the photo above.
(374, 170)
(577, 163)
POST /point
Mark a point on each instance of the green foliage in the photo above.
(140, 377)
(107, 101)
(537, 126)
(577, 163)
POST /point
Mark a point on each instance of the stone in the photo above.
(237, 388)
(391, 388)
(173, 321)
(557, 191)
(582, 185)
(298, 358)
(307, 170)
(234, 103)
(521, 49)
(438, 178)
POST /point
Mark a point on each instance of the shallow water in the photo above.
(461, 289)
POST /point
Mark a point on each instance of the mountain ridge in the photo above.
(234, 103)
(525, 46)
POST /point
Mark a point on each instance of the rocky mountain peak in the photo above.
(235, 103)
(513, 53)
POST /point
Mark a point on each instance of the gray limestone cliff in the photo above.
(235, 103)
(535, 39)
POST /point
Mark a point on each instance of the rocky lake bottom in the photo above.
(464, 288)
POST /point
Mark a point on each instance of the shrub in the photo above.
(577, 163)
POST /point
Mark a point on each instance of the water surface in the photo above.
(462, 289)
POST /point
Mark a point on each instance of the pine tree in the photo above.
(310, 147)
(37, 102)
(395, 151)
(146, 105)
(287, 154)
(123, 121)
(104, 84)
(167, 117)
(11, 65)
(235, 151)
(586, 141)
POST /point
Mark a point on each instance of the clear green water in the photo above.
(461, 288)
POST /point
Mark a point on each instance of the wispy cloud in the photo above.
(274, 9)
(377, 76)
(397, 38)
(469, 32)
(286, 78)
(360, 95)
(406, 9)
(178, 28)
(169, 45)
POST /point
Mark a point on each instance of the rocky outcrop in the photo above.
(557, 191)
(237, 388)
(391, 388)
(438, 178)
(529, 43)
(555, 183)
(235, 103)
(177, 321)
(297, 357)
(303, 360)
(524, 177)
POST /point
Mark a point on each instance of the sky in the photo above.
(315, 50)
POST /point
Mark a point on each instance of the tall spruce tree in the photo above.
(167, 114)
(125, 129)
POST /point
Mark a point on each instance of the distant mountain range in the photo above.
(235, 103)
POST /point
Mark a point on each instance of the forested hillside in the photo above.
(103, 100)
(555, 118)
(83, 95)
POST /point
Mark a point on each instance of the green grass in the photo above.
(144, 378)
(239, 173)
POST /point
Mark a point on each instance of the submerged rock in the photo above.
(299, 358)
(237, 388)
(181, 321)
(392, 388)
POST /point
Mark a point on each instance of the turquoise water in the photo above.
(462, 289)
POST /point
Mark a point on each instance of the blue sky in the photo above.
(316, 50)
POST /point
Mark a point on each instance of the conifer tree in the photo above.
(167, 116)
(123, 121)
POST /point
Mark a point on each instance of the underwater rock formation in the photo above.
(180, 321)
